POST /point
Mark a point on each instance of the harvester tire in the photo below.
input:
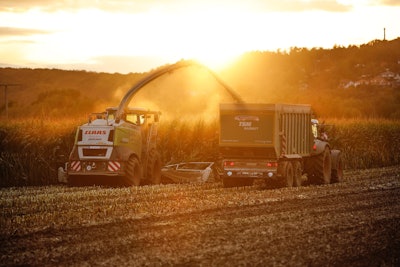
(321, 168)
(297, 172)
(154, 168)
(133, 173)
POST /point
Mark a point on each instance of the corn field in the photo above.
(367, 143)
(28, 148)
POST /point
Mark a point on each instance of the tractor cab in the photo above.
(318, 130)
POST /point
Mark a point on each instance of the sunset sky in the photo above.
(139, 35)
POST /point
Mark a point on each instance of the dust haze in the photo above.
(191, 93)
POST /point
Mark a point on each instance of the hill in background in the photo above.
(354, 81)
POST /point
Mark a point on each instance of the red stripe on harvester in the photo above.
(114, 166)
(76, 166)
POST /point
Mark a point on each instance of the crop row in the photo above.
(28, 147)
(32, 209)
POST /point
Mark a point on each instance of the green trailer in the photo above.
(275, 142)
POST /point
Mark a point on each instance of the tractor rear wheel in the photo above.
(337, 173)
(321, 168)
(133, 173)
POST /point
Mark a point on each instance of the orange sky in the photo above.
(135, 36)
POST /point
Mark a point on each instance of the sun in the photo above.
(207, 38)
(216, 60)
(213, 38)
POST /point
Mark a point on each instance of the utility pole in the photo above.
(6, 85)
(384, 34)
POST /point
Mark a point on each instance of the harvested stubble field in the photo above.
(353, 223)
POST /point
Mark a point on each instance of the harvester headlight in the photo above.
(91, 166)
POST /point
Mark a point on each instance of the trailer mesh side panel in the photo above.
(296, 127)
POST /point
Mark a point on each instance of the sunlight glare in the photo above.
(213, 36)
(213, 39)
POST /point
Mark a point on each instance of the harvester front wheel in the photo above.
(133, 173)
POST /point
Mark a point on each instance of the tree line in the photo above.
(344, 82)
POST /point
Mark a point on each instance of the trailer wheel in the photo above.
(321, 166)
(133, 173)
(236, 182)
(286, 171)
(337, 173)
(297, 172)
(154, 168)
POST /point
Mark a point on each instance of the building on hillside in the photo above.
(384, 79)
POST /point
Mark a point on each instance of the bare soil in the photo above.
(352, 223)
